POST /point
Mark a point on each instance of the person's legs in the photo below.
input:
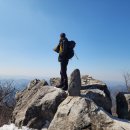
(63, 72)
(64, 78)
(62, 64)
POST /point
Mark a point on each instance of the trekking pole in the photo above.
(76, 56)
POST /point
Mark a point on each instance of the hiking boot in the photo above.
(59, 86)
(65, 87)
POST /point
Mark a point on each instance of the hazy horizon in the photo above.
(22, 77)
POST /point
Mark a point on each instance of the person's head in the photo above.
(62, 35)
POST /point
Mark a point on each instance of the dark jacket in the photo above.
(64, 54)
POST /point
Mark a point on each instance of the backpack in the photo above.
(71, 46)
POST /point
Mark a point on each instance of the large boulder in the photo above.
(76, 113)
(97, 91)
(37, 105)
(123, 105)
(75, 83)
(90, 83)
(99, 97)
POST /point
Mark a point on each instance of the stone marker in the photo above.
(75, 83)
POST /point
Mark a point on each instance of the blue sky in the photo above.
(29, 30)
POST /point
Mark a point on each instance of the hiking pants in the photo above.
(63, 72)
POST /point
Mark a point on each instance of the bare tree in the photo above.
(7, 101)
(127, 80)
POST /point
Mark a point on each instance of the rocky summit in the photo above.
(85, 106)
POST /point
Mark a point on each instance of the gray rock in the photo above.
(54, 81)
(36, 81)
(99, 97)
(89, 80)
(123, 105)
(76, 113)
(97, 86)
(99, 93)
(37, 105)
(70, 115)
(75, 83)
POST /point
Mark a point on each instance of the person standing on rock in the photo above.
(62, 49)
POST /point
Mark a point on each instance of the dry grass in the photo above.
(5, 115)
(7, 101)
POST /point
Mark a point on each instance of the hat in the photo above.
(62, 35)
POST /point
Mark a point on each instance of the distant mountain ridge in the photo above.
(21, 82)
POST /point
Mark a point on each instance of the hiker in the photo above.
(62, 49)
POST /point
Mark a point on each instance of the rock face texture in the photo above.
(88, 80)
(99, 94)
(76, 113)
(37, 105)
(75, 83)
(97, 91)
(95, 84)
(99, 97)
(36, 81)
(123, 105)
(54, 81)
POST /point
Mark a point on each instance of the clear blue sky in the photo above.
(29, 30)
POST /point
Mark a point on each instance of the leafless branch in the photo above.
(127, 80)
(7, 101)
(6, 90)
